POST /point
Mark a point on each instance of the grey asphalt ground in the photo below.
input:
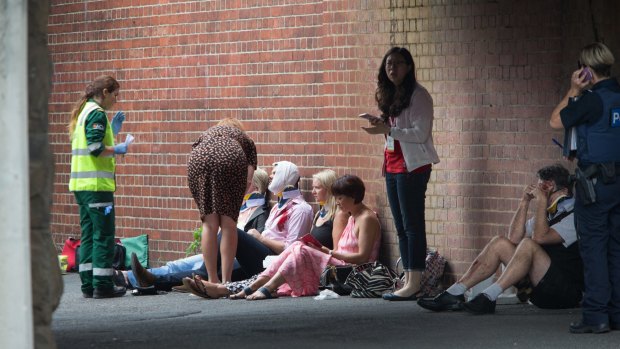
(176, 320)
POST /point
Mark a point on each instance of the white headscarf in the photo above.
(286, 174)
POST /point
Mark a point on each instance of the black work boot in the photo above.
(114, 291)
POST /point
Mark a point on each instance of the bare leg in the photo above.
(272, 285)
(228, 246)
(529, 259)
(498, 250)
(412, 284)
(260, 281)
(215, 290)
(209, 245)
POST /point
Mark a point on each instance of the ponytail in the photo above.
(94, 89)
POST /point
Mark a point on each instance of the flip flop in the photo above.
(246, 291)
(196, 287)
(265, 292)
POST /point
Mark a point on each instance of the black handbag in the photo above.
(334, 277)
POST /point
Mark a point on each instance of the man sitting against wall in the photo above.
(543, 249)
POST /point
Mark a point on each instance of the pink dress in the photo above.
(301, 266)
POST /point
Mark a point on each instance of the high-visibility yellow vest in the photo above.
(89, 172)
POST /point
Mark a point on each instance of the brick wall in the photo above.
(297, 73)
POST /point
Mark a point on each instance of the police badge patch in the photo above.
(615, 117)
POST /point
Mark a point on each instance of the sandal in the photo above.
(196, 287)
(246, 292)
(265, 291)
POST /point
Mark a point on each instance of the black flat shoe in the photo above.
(394, 298)
(480, 305)
(580, 327)
(114, 291)
(442, 302)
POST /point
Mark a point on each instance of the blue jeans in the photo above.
(248, 262)
(406, 193)
(184, 264)
(598, 227)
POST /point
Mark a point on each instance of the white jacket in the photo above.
(413, 129)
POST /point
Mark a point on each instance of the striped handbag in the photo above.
(371, 280)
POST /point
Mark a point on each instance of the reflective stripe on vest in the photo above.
(89, 172)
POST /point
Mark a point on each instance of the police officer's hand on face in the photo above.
(578, 80)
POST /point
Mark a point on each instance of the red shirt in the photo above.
(395, 160)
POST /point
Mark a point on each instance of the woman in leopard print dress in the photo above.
(220, 170)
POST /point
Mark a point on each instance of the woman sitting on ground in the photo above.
(328, 224)
(297, 270)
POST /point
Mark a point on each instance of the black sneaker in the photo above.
(480, 305)
(442, 302)
(115, 291)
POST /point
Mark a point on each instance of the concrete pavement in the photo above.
(177, 320)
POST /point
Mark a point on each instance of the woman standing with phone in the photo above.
(406, 123)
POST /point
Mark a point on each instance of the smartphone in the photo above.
(586, 74)
(309, 239)
(369, 117)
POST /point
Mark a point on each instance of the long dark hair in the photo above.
(95, 88)
(392, 99)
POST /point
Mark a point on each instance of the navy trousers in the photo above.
(598, 227)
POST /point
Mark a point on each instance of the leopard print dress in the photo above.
(217, 170)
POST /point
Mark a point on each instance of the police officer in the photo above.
(591, 110)
(93, 183)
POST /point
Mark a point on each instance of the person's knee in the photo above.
(500, 243)
(529, 245)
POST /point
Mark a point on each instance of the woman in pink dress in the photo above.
(297, 270)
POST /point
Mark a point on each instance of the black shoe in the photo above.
(119, 279)
(580, 327)
(480, 305)
(442, 302)
(115, 291)
(143, 276)
(87, 294)
(614, 326)
(395, 298)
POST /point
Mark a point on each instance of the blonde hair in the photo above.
(94, 89)
(327, 179)
(261, 180)
(232, 122)
(598, 57)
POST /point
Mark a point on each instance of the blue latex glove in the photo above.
(117, 122)
(120, 148)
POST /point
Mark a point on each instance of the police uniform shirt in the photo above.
(588, 107)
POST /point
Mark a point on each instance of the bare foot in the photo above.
(215, 290)
(260, 294)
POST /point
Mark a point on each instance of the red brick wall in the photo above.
(297, 73)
